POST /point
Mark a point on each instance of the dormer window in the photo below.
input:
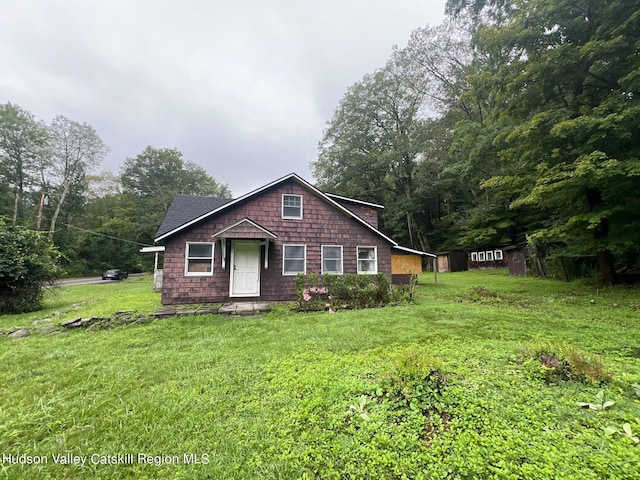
(292, 206)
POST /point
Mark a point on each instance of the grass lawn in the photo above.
(449, 387)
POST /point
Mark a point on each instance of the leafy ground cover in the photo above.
(449, 387)
(65, 303)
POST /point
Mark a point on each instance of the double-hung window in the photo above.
(198, 259)
(294, 259)
(292, 206)
(367, 260)
(332, 259)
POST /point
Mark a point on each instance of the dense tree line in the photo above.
(511, 122)
(96, 221)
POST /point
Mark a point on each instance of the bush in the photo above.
(28, 262)
(318, 292)
(553, 362)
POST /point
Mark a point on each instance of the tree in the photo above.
(28, 262)
(150, 181)
(75, 149)
(22, 143)
(566, 119)
(369, 149)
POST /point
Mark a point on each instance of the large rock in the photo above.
(23, 332)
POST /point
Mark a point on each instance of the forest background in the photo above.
(511, 123)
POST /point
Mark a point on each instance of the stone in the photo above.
(73, 323)
(23, 332)
(48, 329)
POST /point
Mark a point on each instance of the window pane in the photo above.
(366, 253)
(365, 265)
(199, 250)
(291, 201)
(331, 252)
(294, 251)
(291, 211)
(331, 266)
(294, 266)
(199, 266)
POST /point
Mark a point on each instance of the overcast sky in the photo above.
(242, 87)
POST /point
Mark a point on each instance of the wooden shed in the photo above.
(516, 260)
(452, 261)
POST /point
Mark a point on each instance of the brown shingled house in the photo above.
(252, 247)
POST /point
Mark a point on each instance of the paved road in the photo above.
(89, 280)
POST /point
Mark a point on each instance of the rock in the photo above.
(72, 323)
(44, 320)
(48, 329)
(23, 332)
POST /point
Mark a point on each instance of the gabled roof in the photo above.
(173, 224)
(186, 208)
(245, 228)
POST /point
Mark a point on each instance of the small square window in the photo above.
(292, 206)
(474, 256)
(294, 259)
(199, 259)
(481, 257)
(490, 256)
(498, 255)
(367, 260)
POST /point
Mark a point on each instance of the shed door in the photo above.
(245, 269)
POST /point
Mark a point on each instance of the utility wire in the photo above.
(108, 236)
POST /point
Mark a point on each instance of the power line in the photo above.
(108, 236)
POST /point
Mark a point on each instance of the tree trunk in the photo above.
(600, 233)
(54, 218)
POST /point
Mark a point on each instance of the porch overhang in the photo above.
(245, 229)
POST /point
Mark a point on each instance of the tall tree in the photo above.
(76, 148)
(566, 118)
(22, 143)
(151, 180)
(369, 149)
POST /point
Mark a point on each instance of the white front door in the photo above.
(245, 269)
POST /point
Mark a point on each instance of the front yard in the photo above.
(450, 387)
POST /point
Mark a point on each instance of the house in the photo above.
(251, 248)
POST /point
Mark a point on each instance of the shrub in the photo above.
(28, 262)
(553, 362)
(317, 292)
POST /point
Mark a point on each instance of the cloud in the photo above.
(243, 88)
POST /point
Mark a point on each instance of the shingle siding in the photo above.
(322, 224)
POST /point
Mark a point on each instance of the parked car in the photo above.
(114, 274)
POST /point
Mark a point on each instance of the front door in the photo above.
(245, 269)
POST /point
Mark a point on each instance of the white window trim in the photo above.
(474, 256)
(498, 255)
(489, 255)
(375, 260)
(341, 259)
(187, 273)
(289, 274)
(288, 217)
(481, 257)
